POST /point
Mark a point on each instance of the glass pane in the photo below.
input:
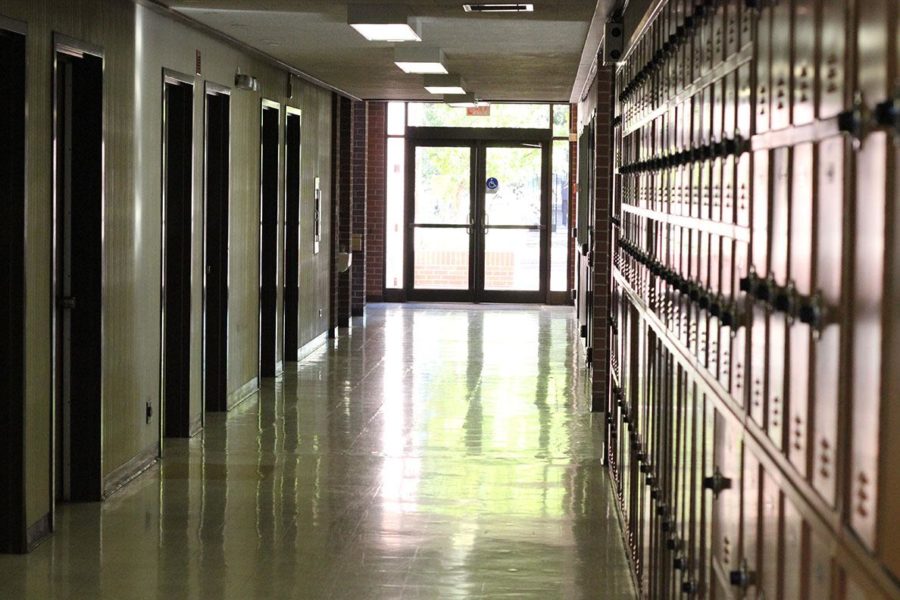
(438, 114)
(443, 185)
(559, 218)
(561, 120)
(396, 118)
(512, 259)
(396, 182)
(515, 176)
(442, 259)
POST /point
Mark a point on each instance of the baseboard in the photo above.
(39, 531)
(242, 393)
(122, 475)
(311, 346)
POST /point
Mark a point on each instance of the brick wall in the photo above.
(343, 216)
(358, 192)
(375, 200)
(601, 251)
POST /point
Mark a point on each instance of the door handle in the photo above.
(470, 225)
(67, 302)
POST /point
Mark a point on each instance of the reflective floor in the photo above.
(437, 452)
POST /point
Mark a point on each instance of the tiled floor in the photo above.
(437, 452)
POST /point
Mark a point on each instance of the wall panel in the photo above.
(138, 43)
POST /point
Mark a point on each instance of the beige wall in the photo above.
(138, 44)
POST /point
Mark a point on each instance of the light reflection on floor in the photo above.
(438, 452)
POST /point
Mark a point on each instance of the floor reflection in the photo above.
(437, 452)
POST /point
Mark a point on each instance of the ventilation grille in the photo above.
(498, 8)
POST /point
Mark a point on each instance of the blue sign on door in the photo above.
(492, 184)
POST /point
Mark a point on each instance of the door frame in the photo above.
(170, 77)
(278, 366)
(211, 90)
(478, 140)
(291, 112)
(63, 44)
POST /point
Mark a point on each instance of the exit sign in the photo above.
(479, 111)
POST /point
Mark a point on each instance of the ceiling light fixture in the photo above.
(444, 84)
(463, 101)
(383, 23)
(498, 8)
(420, 60)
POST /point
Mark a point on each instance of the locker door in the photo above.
(723, 483)
(800, 334)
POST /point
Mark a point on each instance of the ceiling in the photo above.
(519, 57)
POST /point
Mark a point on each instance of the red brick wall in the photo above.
(601, 250)
(342, 214)
(359, 190)
(376, 186)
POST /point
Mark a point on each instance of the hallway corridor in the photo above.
(438, 452)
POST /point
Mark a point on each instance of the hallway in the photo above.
(438, 452)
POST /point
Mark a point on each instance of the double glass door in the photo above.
(477, 220)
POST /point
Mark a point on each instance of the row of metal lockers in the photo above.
(754, 415)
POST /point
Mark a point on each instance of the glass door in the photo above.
(439, 266)
(477, 214)
(512, 242)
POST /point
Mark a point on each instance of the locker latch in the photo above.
(743, 577)
(717, 483)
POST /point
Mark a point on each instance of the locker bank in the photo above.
(416, 299)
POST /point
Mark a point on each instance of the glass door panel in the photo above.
(442, 209)
(512, 218)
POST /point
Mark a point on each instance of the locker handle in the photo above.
(717, 483)
(689, 587)
(887, 114)
(743, 577)
(812, 311)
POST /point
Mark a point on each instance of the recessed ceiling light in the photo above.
(499, 8)
(420, 60)
(383, 23)
(444, 84)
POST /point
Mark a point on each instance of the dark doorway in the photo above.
(78, 277)
(178, 145)
(12, 298)
(292, 236)
(216, 227)
(268, 242)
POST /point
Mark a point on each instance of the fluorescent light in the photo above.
(451, 90)
(420, 60)
(444, 84)
(383, 23)
(387, 33)
(421, 68)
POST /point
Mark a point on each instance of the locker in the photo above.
(771, 540)
(792, 567)
(723, 483)
(780, 65)
(771, 265)
(778, 270)
(800, 334)
(803, 37)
